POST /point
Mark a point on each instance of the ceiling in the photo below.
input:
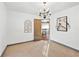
(34, 7)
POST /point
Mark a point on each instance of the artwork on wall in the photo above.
(61, 24)
(27, 26)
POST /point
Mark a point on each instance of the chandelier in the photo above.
(45, 13)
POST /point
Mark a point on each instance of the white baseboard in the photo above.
(3, 50)
(13, 43)
(65, 45)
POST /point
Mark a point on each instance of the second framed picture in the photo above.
(27, 26)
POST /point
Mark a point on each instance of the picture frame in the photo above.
(61, 24)
(27, 26)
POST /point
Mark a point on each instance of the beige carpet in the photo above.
(36, 49)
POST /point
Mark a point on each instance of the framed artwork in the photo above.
(61, 24)
(27, 26)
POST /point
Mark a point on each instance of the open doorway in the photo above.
(41, 29)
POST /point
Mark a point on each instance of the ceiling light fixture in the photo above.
(45, 13)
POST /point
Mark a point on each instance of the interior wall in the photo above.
(16, 27)
(71, 37)
(3, 14)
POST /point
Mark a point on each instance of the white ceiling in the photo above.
(34, 7)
